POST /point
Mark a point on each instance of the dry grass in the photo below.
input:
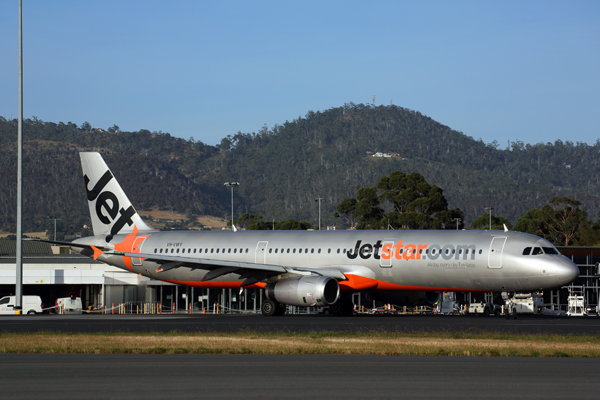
(306, 343)
(205, 220)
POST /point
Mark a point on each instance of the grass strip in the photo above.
(381, 343)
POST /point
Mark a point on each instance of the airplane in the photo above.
(316, 268)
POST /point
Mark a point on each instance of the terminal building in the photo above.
(52, 272)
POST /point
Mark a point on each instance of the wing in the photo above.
(250, 272)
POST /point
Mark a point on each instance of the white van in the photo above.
(31, 305)
(68, 305)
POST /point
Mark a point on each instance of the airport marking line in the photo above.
(451, 344)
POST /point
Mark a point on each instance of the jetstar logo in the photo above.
(107, 204)
(388, 250)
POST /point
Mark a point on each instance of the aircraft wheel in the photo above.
(514, 313)
(507, 313)
(486, 311)
(269, 308)
(281, 309)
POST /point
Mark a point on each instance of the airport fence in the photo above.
(151, 308)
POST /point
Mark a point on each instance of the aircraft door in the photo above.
(389, 246)
(261, 253)
(495, 255)
(137, 245)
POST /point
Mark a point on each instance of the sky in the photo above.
(504, 70)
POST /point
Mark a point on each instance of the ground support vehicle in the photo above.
(485, 308)
(527, 303)
(30, 305)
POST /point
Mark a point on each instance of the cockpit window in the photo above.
(550, 250)
(527, 251)
(536, 251)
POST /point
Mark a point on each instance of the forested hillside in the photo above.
(282, 170)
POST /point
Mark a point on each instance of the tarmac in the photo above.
(229, 323)
(67, 376)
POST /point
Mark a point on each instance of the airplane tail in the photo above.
(110, 209)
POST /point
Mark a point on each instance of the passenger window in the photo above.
(288, 250)
(217, 250)
(344, 250)
(294, 251)
(312, 251)
(319, 251)
(155, 250)
(480, 251)
(194, 251)
(246, 250)
(161, 250)
(536, 251)
(172, 250)
(212, 250)
(228, 250)
(527, 251)
(299, 250)
(306, 250)
(328, 251)
(276, 251)
(223, 250)
(338, 251)
(453, 251)
(235, 250)
(199, 250)
(270, 250)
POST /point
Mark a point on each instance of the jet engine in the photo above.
(305, 291)
(401, 298)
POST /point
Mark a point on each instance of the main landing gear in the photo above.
(343, 307)
(272, 308)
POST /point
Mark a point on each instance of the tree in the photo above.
(114, 128)
(347, 209)
(416, 204)
(86, 126)
(369, 213)
(560, 222)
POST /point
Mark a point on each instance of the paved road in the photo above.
(300, 323)
(66, 376)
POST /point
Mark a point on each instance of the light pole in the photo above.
(54, 218)
(490, 208)
(319, 200)
(457, 221)
(231, 185)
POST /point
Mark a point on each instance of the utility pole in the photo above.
(19, 249)
(319, 200)
(490, 208)
(457, 221)
(231, 185)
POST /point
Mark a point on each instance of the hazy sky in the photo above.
(504, 70)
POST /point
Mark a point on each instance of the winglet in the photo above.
(505, 228)
(97, 252)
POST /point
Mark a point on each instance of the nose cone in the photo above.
(566, 271)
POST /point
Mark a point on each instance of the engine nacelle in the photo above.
(402, 298)
(305, 291)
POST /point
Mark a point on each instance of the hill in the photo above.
(282, 170)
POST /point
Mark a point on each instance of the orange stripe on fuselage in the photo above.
(357, 283)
